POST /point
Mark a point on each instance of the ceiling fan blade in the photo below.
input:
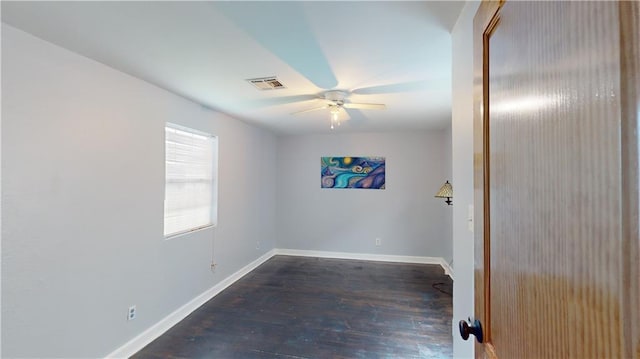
(401, 87)
(343, 115)
(306, 57)
(311, 109)
(357, 118)
(285, 100)
(365, 106)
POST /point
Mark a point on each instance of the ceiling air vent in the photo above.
(266, 83)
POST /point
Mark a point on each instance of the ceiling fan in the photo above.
(335, 102)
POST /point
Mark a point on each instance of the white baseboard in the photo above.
(447, 268)
(360, 256)
(369, 257)
(155, 331)
(149, 335)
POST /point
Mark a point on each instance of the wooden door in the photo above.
(556, 179)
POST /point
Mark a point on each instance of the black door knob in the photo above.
(466, 329)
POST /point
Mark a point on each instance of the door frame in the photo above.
(629, 12)
(484, 23)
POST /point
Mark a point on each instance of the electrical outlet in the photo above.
(378, 242)
(131, 315)
(257, 244)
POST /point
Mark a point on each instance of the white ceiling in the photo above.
(395, 53)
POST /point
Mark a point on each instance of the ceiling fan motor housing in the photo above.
(336, 96)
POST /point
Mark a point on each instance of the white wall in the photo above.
(82, 200)
(462, 155)
(405, 215)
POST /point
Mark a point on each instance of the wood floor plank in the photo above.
(300, 307)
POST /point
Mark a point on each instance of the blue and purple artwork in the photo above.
(352, 172)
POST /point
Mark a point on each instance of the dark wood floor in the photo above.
(297, 307)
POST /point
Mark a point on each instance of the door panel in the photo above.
(555, 253)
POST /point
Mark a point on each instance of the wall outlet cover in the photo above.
(131, 314)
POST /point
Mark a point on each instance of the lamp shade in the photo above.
(446, 191)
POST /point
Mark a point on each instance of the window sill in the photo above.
(189, 231)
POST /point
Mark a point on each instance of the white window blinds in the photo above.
(190, 158)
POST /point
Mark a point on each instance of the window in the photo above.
(190, 180)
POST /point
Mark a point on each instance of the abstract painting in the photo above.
(352, 172)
